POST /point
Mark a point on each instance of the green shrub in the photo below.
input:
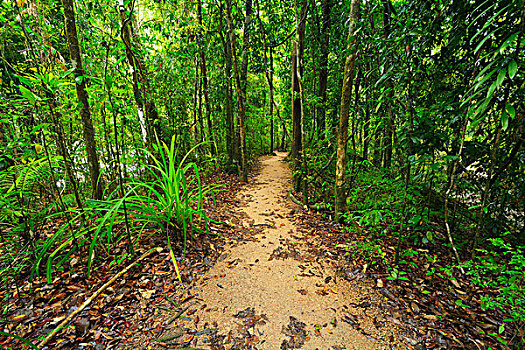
(172, 200)
(500, 270)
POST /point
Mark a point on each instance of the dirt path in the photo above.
(263, 293)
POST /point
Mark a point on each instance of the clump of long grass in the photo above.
(170, 200)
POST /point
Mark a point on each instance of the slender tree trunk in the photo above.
(125, 33)
(366, 126)
(228, 87)
(269, 78)
(56, 118)
(196, 103)
(205, 83)
(202, 133)
(297, 60)
(117, 152)
(268, 72)
(82, 95)
(389, 127)
(491, 175)
(323, 67)
(296, 107)
(240, 77)
(146, 108)
(297, 94)
(346, 95)
(271, 100)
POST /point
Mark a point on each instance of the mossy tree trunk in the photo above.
(346, 96)
(82, 95)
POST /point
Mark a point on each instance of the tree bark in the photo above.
(82, 95)
(241, 77)
(204, 75)
(297, 60)
(296, 107)
(125, 33)
(346, 95)
(323, 67)
(389, 127)
(269, 78)
(228, 87)
(271, 100)
(146, 108)
(297, 96)
(195, 103)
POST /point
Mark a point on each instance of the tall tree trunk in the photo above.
(241, 77)
(296, 107)
(366, 126)
(146, 108)
(271, 100)
(202, 133)
(269, 78)
(56, 118)
(196, 103)
(82, 95)
(125, 33)
(204, 75)
(346, 96)
(323, 67)
(297, 94)
(389, 126)
(228, 87)
(297, 60)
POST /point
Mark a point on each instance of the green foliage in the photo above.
(172, 201)
(24, 340)
(375, 201)
(500, 269)
(22, 213)
(367, 250)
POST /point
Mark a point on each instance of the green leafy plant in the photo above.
(172, 200)
(368, 250)
(500, 269)
(24, 340)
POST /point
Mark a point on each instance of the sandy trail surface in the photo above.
(264, 294)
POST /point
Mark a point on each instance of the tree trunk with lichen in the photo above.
(146, 108)
(346, 95)
(82, 95)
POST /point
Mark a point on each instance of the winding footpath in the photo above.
(263, 293)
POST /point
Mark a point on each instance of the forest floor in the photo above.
(271, 289)
(268, 275)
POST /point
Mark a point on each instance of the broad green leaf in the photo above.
(513, 68)
(490, 92)
(28, 94)
(505, 121)
(501, 77)
(510, 110)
